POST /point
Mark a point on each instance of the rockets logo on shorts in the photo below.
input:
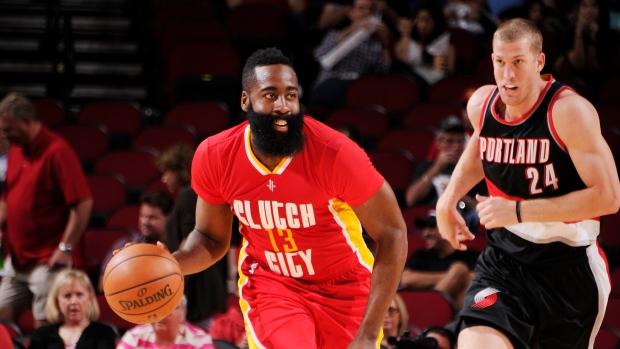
(485, 298)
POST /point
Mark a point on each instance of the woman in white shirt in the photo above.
(425, 43)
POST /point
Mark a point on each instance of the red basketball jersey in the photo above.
(296, 220)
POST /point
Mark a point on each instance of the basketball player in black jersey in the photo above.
(542, 281)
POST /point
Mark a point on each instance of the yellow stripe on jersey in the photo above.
(253, 343)
(352, 231)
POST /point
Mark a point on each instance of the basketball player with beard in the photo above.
(302, 192)
(542, 281)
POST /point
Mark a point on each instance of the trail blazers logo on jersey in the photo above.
(485, 298)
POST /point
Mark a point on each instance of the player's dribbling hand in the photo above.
(496, 212)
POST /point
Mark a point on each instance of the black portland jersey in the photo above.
(525, 159)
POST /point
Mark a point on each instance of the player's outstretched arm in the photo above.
(210, 239)
(381, 218)
(466, 175)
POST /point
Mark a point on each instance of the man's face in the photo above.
(152, 222)
(13, 130)
(453, 143)
(361, 9)
(431, 236)
(516, 68)
(272, 107)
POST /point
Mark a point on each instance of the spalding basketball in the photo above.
(143, 283)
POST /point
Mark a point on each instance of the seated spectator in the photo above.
(592, 45)
(369, 53)
(172, 332)
(424, 45)
(72, 309)
(206, 290)
(446, 339)
(395, 323)
(440, 267)
(155, 207)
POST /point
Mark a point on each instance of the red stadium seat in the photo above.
(122, 119)
(108, 192)
(455, 89)
(465, 47)
(615, 284)
(161, 137)
(414, 242)
(242, 19)
(173, 13)
(609, 113)
(396, 93)
(137, 167)
(371, 122)
(208, 118)
(396, 167)
(428, 308)
(609, 230)
(125, 216)
(612, 313)
(89, 140)
(410, 214)
(186, 32)
(417, 142)
(607, 338)
(109, 316)
(49, 111)
(98, 242)
(430, 114)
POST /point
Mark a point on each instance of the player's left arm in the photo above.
(577, 125)
(381, 218)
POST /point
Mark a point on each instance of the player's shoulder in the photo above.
(571, 106)
(479, 96)
(321, 135)
(226, 138)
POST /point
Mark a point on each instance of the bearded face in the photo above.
(271, 141)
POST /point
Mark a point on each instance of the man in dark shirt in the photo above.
(440, 267)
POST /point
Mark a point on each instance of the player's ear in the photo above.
(245, 100)
(540, 60)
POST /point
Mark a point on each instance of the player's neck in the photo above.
(517, 111)
(270, 162)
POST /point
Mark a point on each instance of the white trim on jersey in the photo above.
(601, 277)
(574, 234)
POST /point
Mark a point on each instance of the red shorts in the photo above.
(283, 312)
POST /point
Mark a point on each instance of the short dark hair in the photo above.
(444, 332)
(160, 199)
(262, 57)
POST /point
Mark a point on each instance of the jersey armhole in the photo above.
(483, 111)
(554, 133)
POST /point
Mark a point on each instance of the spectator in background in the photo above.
(440, 266)
(424, 45)
(4, 157)
(172, 332)
(368, 54)
(446, 339)
(72, 309)
(395, 322)
(44, 210)
(206, 291)
(431, 177)
(155, 207)
(230, 328)
(592, 46)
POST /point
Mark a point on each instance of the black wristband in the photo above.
(518, 209)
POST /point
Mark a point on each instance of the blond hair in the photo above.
(403, 315)
(64, 278)
(517, 28)
(18, 107)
